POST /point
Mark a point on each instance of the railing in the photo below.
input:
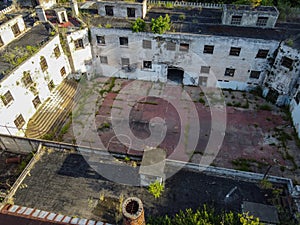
(7, 10)
(186, 4)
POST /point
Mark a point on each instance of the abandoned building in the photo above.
(224, 46)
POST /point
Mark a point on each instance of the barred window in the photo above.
(147, 64)
(287, 62)
(262, 53)
(208, 49)
(171, 46)
(203, 81)
(103, 59)
(43, 63)
(261, 21)
(36, 101)
(130, 12)
(235, 51)
(100, 40)
(7, 98)
(229, 72)
(183, 47)
(1, 42)
(63, 71)
(57, 52)
(123, 41)
(205, 69)
(125, 62)
(78, 44)
(26, 79)
(16, 30)
(147, 44)
(19, 121)
(51, 85)
(254, 74)
(109, 10)
(236, 20)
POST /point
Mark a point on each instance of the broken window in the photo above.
(208, 49)
(262, 53)
(103, 59)
(235, 51)
(51, 85)
(56, 51)
(78, 44)
(184, 47)
(15, 29)
(147, 64)
(236, 20)
(203, 81)
(109, 10)
(229, 72)
(63, 71)
(254, 74)
(100, 40)
(130, 12)
(123, 41)
(287, 62)
(261, 21)
(43, 63)
(204, 69)
(171, 46)
(147, 44)
(124, 62)
(19, 121)
(1, 42)
(7, 98)
(27, 78)
(36, 101)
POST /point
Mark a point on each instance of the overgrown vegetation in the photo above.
(139, 25)
(156, 188)
(161, 24)
(205, 216)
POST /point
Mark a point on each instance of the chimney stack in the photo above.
(74, 6)
(41, 13)
(133, 212)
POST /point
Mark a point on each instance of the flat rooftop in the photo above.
(64, 182)
(250, 8)
(205, 22)
(35, 37)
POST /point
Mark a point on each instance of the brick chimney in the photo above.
(133, 212)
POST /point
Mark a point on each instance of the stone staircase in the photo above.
(49, 118)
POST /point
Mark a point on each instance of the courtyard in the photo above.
(253, 136)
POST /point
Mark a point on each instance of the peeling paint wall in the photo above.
(6, 32)
(23, 96)
(284, 76)
(120, 9)
(190, 60)
(82, 54)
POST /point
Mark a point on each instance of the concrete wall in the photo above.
(23, 96)
(295, 112)
(190, 61)
(120, 8)
(6, 33)
(282, 79)
(249, 15)
(82, 56)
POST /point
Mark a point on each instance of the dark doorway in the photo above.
(175, 75)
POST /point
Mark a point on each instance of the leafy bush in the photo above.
(161, 24)
(156, 188)
(139, 25)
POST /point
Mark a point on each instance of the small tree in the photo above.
(139, 25)
(161, 24)
(156, 188)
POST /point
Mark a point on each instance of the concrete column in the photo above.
(74, 6)
(41, 13)
(133, 212)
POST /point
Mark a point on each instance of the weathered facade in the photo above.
(204, 60)
(248, 16)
